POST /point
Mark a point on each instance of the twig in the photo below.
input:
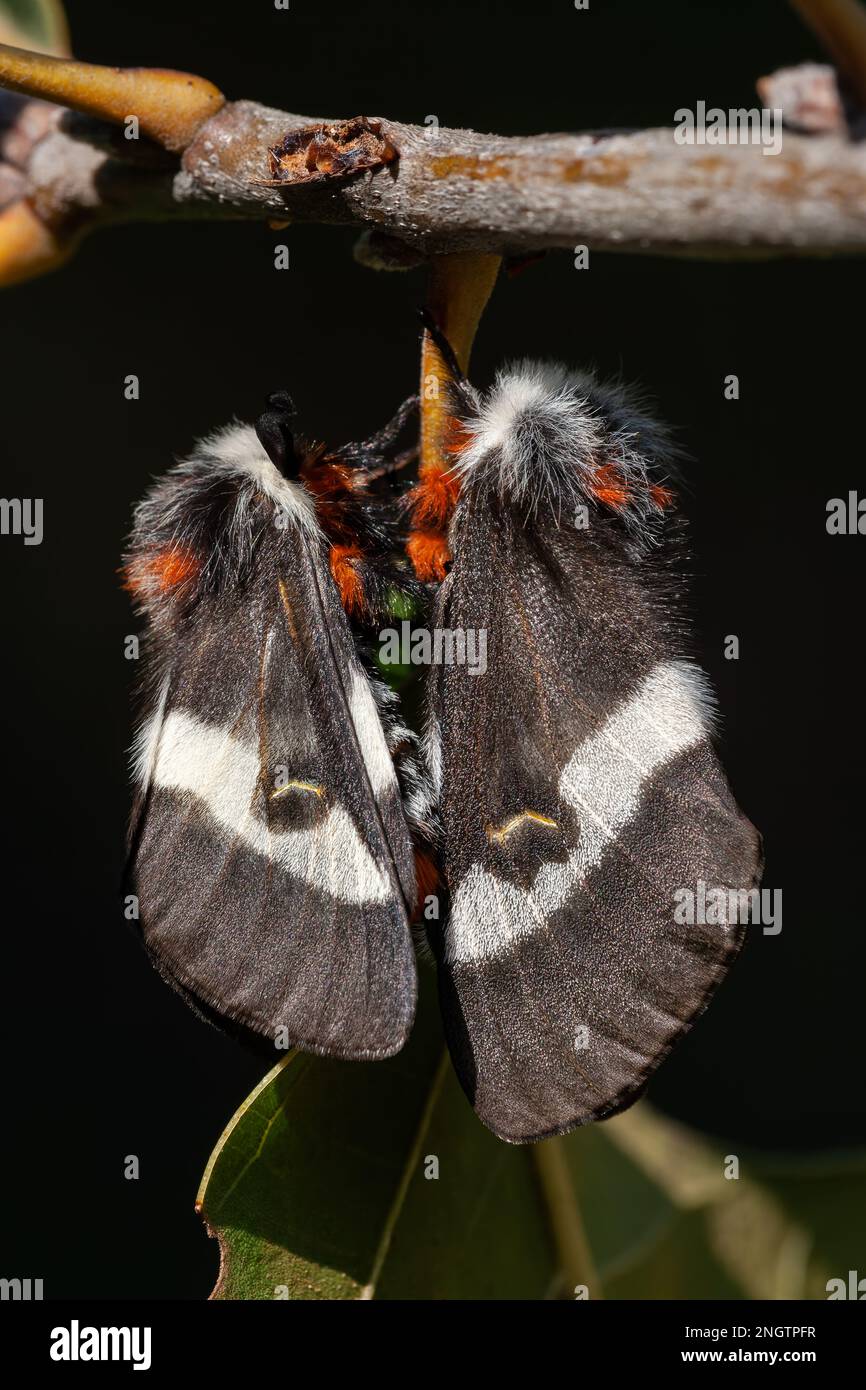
(459, 289)
(458, 292)
(27, 246)
(169, 106)
(841, 27)
(576, 1264)
(448, 191)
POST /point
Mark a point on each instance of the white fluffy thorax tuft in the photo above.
(235, 451)
(542, 430)
(534, 420)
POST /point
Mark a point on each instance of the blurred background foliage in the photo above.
(37, 24)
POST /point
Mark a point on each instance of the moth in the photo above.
(288, 825)
(576, 784)
(270, 844)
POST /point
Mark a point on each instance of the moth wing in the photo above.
(270, 854)
(579, 794)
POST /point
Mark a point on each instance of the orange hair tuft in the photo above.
(662, 496)
(429, 553)
(434, 498)
(327, 479)
(347, 579)
(163, 570)
(607, 486)
(456, 436)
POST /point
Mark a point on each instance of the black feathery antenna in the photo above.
(275, 434)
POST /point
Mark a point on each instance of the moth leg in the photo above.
(378, 443)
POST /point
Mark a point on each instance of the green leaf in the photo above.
(36, 24)
(301, 1185)
(323, 1186)
(479, 1230)
(340, 1180)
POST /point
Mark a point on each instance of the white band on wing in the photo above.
(603, 781)
(222, 772)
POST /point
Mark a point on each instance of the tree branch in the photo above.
(461, 191)
(445, 192)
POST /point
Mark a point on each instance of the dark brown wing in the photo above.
(580, 799)
(270, 852)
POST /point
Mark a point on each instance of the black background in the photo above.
(102, 1060)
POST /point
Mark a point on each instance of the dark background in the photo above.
(102, 1059)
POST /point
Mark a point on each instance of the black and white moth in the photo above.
(576, 781)
(270, 848)
(571, 790)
